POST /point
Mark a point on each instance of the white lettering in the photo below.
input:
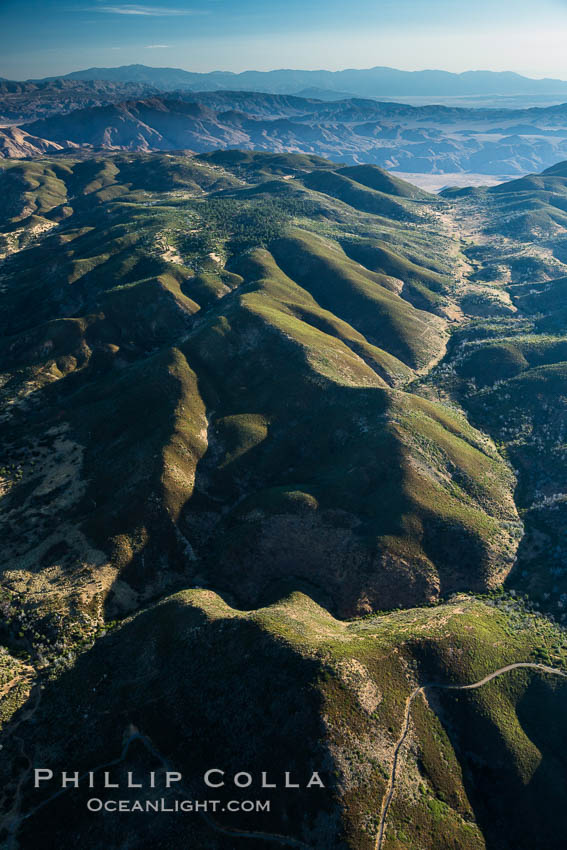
(107, 782)
(41, 774)
(289, 784)
(243, 783)
(265, 783)
(172, 776)
(316, 780)
(131, 783)
(213, 784)
(70, 779)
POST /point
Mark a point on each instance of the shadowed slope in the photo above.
(335, 705)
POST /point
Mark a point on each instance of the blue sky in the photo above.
(47, 37)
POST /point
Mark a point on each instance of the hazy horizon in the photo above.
(53, 37)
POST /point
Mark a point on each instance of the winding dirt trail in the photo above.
(13, 819)
(390, 788)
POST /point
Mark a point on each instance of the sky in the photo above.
(50, 37)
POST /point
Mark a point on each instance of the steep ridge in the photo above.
(307, 693)
(17, 143)
(220, 380)
(225, 358)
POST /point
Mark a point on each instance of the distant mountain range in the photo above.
(372, 82)
(429, 139)
(351, 116)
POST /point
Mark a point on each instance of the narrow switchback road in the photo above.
(390, 788)
(282, 840)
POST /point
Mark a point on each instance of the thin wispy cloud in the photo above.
(157, 46)
(146, 11)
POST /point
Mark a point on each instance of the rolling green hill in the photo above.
(283, 455)
(334, 704)
(359, 196)
(228, 319)
(380, 180)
